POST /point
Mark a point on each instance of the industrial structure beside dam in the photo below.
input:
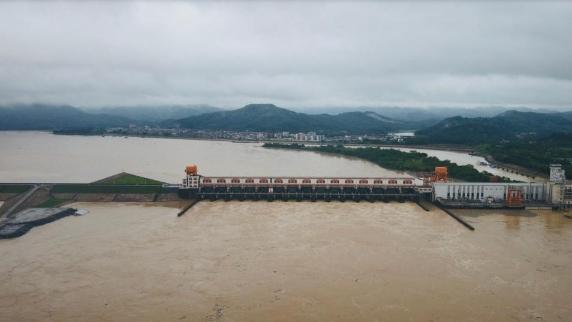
(556, 193)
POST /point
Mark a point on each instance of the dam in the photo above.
(436, 187)
(301, 188)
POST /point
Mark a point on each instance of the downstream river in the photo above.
(44, 157)
(289, 261)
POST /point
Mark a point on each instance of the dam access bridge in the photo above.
(303, 188)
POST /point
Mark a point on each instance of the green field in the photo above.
(105, 188)
(51, 203)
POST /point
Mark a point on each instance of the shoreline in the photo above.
(438, 147)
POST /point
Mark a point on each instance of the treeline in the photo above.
(79, 131)
(536, 155)
(397, 160)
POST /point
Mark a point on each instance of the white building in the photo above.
(483, 191)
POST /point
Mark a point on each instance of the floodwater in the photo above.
(44, 157)
(289, 261)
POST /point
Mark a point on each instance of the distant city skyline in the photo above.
(294, 54)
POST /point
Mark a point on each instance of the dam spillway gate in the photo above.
(303, 188)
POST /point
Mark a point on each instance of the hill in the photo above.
(422, 115)
(534, 154)
(51, 117)
(510, 125)
(155, 113)
(268, 117)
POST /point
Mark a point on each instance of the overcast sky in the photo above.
(293, 54)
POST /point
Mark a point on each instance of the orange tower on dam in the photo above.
(441, 174)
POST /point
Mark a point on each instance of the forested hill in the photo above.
(268, 117)
(536, 154)
(511, 125)
(155, 113)
(50, 117)
(55, 117)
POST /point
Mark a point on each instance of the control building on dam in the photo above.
(557, 193)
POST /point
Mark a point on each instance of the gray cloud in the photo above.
(292, 54)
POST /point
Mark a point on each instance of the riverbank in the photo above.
(122, 187)
(515, 168)
(437, 147)
(397, 160)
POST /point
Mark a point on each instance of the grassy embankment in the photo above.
(14, 188)
(121, 183)
(52, 202)
(397, 160)
(128, 179)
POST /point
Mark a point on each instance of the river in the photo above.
(480, 163)
(289, 261)
(44, 157)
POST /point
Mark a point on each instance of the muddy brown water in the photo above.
(289, 261)
(44, 157)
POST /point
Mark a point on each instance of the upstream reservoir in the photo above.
(45, 157)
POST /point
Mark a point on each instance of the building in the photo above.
(561, 190)
(557, 192)
(309, 137)
(490, 191)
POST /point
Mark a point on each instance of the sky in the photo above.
(292, 54)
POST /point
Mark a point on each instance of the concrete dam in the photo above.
(436, 187)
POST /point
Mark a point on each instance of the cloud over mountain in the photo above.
(292, 53)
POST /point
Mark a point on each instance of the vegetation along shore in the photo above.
(397, 160)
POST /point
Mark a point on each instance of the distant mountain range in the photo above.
(50, 117)
(268, 117)
(427, 116)
(509, 125)
(155, 113)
